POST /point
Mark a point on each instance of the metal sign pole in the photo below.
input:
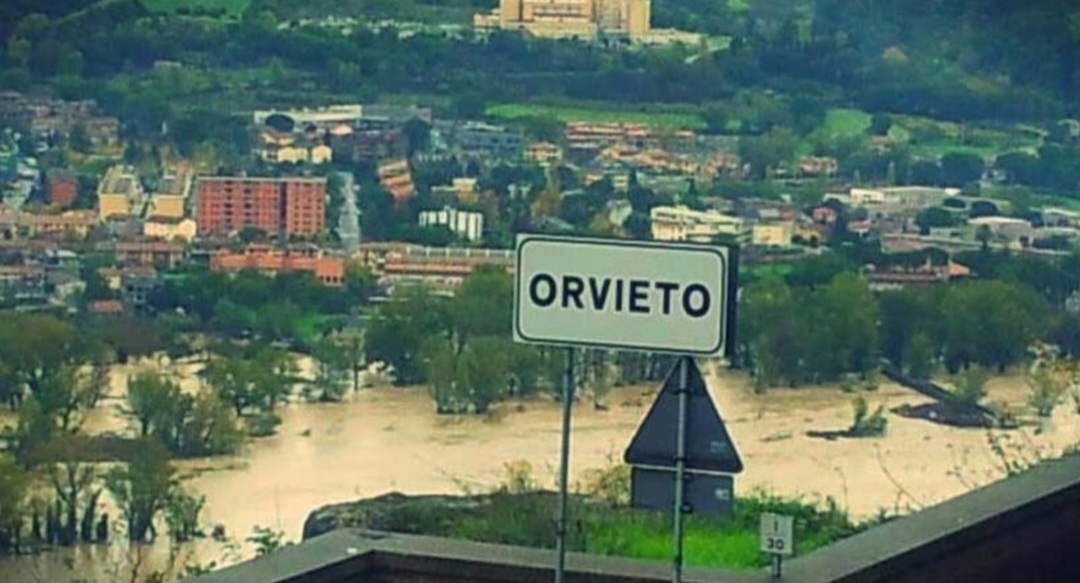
(777, 570)
(564, 466)
(680, 470)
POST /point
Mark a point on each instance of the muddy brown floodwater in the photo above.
(388, 439)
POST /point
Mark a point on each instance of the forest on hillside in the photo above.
(948, 58)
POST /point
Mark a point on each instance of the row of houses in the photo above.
(46, 119)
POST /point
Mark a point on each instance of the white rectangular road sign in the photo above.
(777, 534)
(630, 295)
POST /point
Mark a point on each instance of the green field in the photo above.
(842, 123)
(568, 114)
(233, 7)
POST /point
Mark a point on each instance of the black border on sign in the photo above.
(729, 263)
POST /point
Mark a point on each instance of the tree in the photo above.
(64, 461)
(927, 172)
(143, 487)
(182, 515)
(934, 218)
(440, 366)
(417, 134)
(333, 369)
(67, 393)
(54, 411)
(470, 105)
(977, 330)
(250, 234)
(36, 346)
(232, 378)
(359, 282)
(80, 139)
(984, 235)
(971, 385)
(186, 425)
(983, 208)
(152, 400)
(543, 128)
(1046, 391)
(483, 368)
(961, 168)
(767, 152)
(206, 427)
(919, 356)
(399, 328)
(1020, 167)
(483, 304)
(817, 270)
(716, 119)
(880, 124)
(14, 487)
(850, 336)
(638, 226)
(768, 332)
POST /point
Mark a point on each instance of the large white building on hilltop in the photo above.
(582, 19)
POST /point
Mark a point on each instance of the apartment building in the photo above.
(304, 258)
(289, 206)
(680, 223)
(148, 253)
(466, 224)
(543, 153)
(120, 194)
(484, 139)
(61, 188)
(395, 177)
(18, 225)
(444, 267)
(170, 229)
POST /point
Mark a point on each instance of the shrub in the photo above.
(865, 425)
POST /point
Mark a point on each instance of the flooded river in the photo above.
(386, 439)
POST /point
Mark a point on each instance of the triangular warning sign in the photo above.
(708, 446)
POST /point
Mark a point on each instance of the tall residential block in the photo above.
(287, 206)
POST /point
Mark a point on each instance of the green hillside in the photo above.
(231, 7)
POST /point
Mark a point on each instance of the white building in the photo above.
(467, 224)
(772, 234)
(1013, 233)
(905, 196)
(680, 223)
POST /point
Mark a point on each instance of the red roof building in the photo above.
(289, 206)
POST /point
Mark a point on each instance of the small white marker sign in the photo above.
(777, 534)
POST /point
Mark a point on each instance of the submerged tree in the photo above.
(14, 488)
(143, 488)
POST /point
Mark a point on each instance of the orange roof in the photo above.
(105, 307)
(958, 270)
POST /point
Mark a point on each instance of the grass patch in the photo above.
(934, 138)
(567, 114)
(231, 7)
(524, 518)
(1031, 198)
(765, 270)
(939, 149)
(843, 123)
(311, 326)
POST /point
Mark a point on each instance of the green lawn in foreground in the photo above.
(234, 7)
(730, 542)
(598, 115)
